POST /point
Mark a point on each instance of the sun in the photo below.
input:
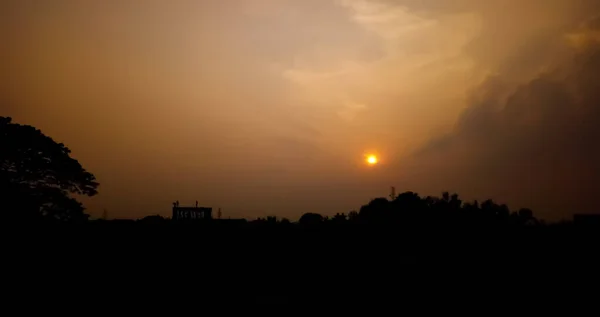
(372, 159)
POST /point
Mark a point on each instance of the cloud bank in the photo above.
(532, 143)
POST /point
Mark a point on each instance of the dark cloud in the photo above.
(535, 146)
(527, 136)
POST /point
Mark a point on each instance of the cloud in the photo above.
(532, 145)
(386, 20)
(351, 110)
(396, 54)
(205, 97)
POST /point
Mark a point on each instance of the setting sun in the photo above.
(372, 159)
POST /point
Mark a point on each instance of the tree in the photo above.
(377, 210)
(154, 219)
(339, 217)
(311, 219)
(38, 176)
(285, 221)
(353, 215)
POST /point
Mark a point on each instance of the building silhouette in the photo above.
(191, 213)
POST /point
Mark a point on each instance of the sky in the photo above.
(268, 107)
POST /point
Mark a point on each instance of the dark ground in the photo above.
(145, 268)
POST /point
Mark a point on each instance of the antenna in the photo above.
(219, 214)
(104, 214)
(393, 193)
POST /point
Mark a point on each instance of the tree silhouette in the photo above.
(154, 219)
(339, 218)
(285, 221)
(37, 176)
(311, 219)
(353, 215)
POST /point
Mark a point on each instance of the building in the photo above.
(191, 213)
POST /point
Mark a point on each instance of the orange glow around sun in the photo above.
(372, 159)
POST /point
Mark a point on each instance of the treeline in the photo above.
(408, 209)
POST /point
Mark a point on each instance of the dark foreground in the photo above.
(139, 268)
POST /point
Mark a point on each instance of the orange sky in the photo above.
(266, 107)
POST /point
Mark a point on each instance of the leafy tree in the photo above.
(311, 219)
(377, 209)
(38, 176)
(154, 219)
(525, 217)
(285, 221)
(353, 215)
(339, 217)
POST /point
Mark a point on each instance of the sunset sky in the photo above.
(269, 107)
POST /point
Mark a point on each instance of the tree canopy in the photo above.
(38, 176)
(409, 210)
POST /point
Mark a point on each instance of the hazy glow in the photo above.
(260, 107)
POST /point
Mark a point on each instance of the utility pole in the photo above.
(393, 193)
